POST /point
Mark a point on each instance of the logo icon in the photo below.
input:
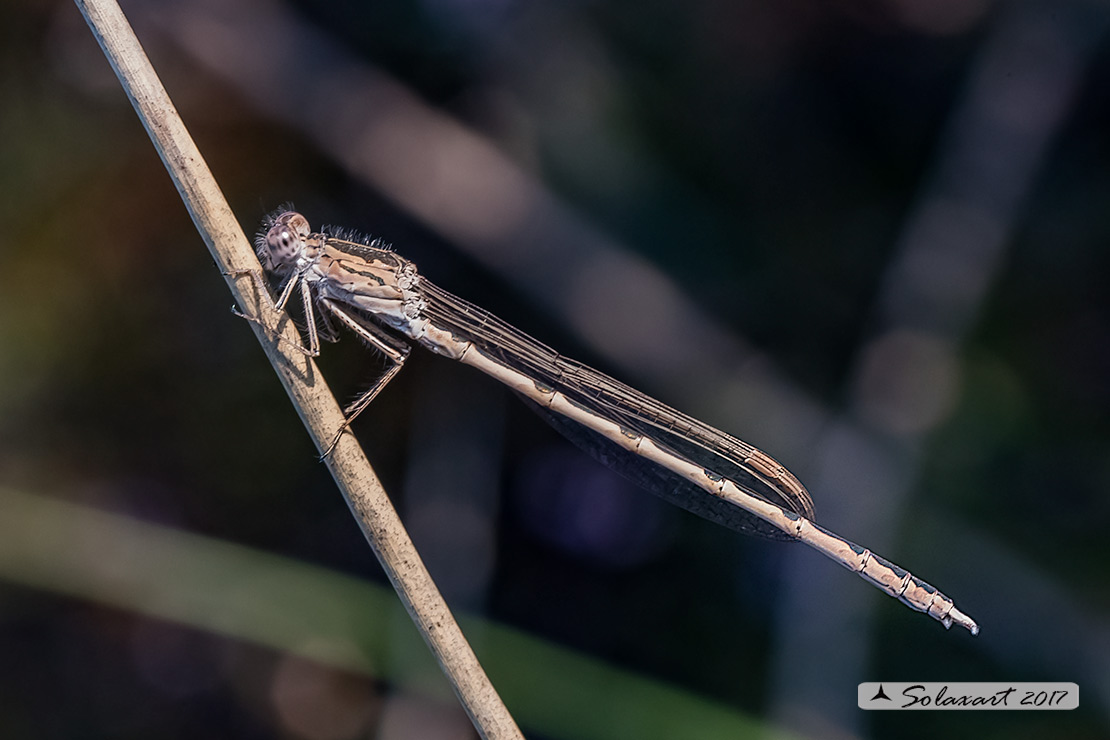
(881, 695)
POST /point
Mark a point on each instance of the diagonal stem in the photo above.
(311, 397)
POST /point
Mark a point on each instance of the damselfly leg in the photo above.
(395, 350)
(313, 348)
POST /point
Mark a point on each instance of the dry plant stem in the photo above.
(311, 396)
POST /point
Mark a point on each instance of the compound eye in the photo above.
(285, 241)
(282, 245)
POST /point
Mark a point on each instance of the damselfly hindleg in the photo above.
(394, 349)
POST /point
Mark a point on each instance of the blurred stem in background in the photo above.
(334, 619)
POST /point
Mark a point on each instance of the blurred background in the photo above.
(867, 236)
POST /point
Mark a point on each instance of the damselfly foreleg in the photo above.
(313, 348)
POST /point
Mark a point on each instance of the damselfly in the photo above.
(382, 298)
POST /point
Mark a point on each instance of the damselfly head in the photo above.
(284, 242)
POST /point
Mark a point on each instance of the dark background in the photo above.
(868, 237)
